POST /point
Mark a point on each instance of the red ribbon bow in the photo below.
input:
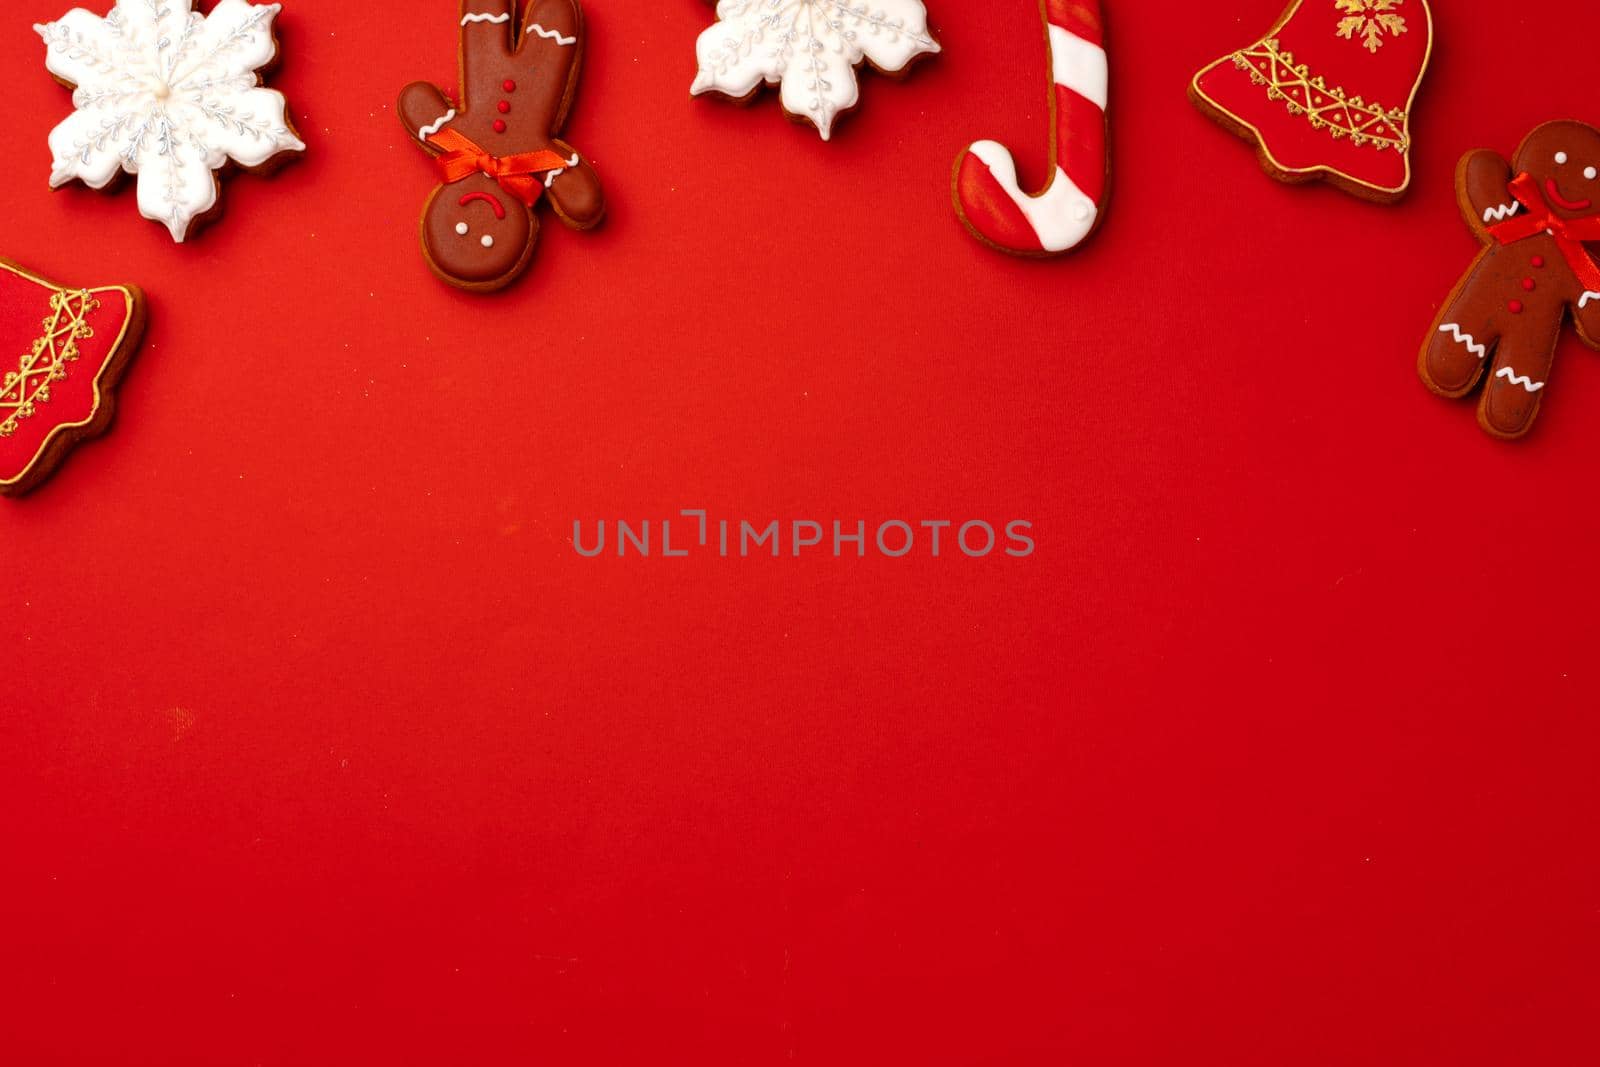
(462, 158)
(1569, 233)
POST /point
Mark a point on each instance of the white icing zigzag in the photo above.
(1464, 338)
(550, 179)
(1501, 213)
(552, 35)
(1519, 379)
(1584, 301)
(437, 125)
(477, 17)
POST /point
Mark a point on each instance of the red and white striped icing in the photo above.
(1059, 217)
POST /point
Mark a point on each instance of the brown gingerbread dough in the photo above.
(518, 80)
(1533, 216)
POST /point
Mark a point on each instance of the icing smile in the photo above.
(1560, 201)
(488, 198)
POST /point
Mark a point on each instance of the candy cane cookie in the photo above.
(1071, 206)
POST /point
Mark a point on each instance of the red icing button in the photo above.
(1527, 283)
(1515, 307)
(499, 125)
(1538, 261)
(504, 106)
(509, 86)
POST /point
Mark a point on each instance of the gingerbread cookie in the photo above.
(497, 152)
(1533, 217)
(169, 95)
(1070, 207)
(1326, 93)
(811, 48)
(64, 351)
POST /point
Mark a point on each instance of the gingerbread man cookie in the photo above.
(1534, 217)
(497, 152)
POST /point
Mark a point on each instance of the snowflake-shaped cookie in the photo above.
(169, 95)
(811, 47)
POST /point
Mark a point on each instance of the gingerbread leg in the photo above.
(1521, 368)
(485, 32)
(1457, 351)
(552, 39)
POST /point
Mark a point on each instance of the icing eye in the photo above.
(461, 228)
(1561, 159)
(487, 242)
(1591, 173)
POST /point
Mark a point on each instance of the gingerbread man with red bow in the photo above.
(498, 153)
(1534, 217)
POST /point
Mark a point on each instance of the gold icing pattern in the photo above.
(1325, 108)
(29, 385)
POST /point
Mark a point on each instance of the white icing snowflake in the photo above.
(812, 47)
(166, 94)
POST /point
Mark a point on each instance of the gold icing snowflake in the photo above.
(1368, 20)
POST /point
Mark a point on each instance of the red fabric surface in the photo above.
(321, 745)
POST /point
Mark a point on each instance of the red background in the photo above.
(321, 745)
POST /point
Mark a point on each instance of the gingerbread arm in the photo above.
(575, 191)
(1586, 315)
(424, 111)
(1483, 181)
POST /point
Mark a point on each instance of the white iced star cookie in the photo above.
(168, 95)
(809, 47)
